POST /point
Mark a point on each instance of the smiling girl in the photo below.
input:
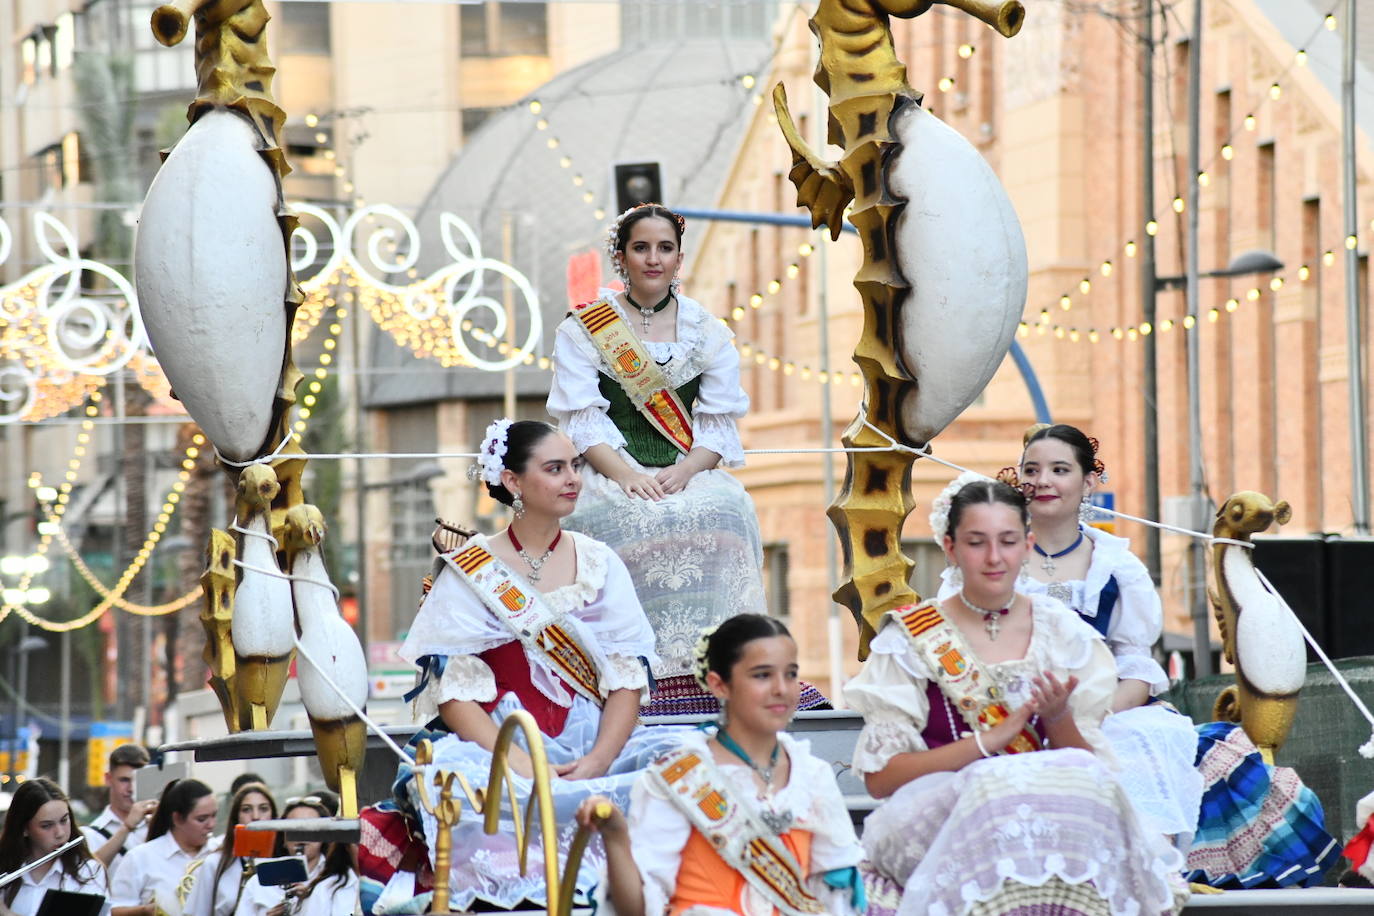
(218, 883)
(39, 821)
(740, 818)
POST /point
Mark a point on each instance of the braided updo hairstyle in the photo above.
(720, 647)
(985, 492)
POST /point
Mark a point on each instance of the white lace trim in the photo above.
(591, 576)
(465, 677)
(592, 426)
(881, 740)
(720, 434)
(623, 672)
(1105, 881)
(1136, 663)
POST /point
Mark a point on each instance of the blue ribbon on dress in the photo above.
(430, 666)
(1106, 605)
(841, 878)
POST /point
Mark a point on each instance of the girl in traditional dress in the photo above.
(535, 619)
(217, 883)
(740, 818)
(1096, 575)
(982, 733)
(39, 821)
(646, 385)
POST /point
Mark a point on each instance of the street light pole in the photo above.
(1197, 586)
(1149, 294)
(1354, 332)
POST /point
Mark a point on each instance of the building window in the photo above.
(775, 588)
(503, 29)
(28, 55)
(64, 42)
(929, 560)
(305, 28)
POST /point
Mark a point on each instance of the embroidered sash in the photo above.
(971, 688)
(636, 372)
(528, 618)
(700, 791)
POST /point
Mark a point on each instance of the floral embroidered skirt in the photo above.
(694, 556)
(1155, 747)
(973, 841)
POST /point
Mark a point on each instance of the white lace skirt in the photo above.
(487, 867)
(954, 840)
(694, 556)
(1155, 748)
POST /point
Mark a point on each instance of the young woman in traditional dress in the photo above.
(1095, 575)
(740, 818)
(40, 821)
(217, 882)
(1253, 824)
(982, 733)
(536, 619)
(646, 385)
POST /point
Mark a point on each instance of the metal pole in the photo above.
(360, 482)
(1354, 333)
(508, 399)
(1197, 584)
(834, 624)
(13, 740)
(19, 691)
(1149, 292)
(64, 762)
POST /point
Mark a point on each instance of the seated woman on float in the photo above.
(534, 619)
(741, 818)
(646, 385)
(982, 732)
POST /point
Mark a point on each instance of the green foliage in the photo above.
(105, 94)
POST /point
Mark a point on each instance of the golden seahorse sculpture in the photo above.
(234, 76)
(447, 808)
(1260, 635)
(869, 100)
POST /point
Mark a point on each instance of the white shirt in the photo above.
(198, 900)
(89, 879)
(151, 873)
(99, 831)
(329, 898)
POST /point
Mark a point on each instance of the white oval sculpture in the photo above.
(263, 626)
(1270, 650)
(959, 245)
(211, 274)
(329, 641)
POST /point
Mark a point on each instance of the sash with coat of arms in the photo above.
(518, 606)
(970, 687)
(636, 372)
(735, 830)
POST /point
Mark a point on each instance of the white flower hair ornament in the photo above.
(939, 507)
(491, 454)
(612, 234)
(702, 665)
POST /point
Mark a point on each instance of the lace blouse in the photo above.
(659, 831)
(599, 607)
(890, 691)
(702, 348)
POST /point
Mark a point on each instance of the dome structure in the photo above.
(681, 105)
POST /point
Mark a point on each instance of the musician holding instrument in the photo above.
(149, 878)
(40, 821)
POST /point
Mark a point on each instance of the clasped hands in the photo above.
(1049, 700)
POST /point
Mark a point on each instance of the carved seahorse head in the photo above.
(1247, 513)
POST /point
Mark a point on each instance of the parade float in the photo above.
(942, 286)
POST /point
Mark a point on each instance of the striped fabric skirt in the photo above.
(1259, 825)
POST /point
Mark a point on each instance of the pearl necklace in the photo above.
(990, 615)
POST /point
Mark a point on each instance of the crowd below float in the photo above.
(1014, 735)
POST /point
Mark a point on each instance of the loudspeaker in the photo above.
(636, 183)
(1349, 587)
(1297, 568)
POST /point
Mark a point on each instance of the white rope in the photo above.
(265, 535)
(367, 720)
(268, 571)
(264, 459)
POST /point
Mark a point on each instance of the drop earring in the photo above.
(1086, 513)
(518, 506)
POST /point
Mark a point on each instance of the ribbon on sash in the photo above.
(699, 790)
(636, 372)
(526, 616)
(970, 686)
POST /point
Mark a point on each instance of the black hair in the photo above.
(985, 492)
(647, 211)
(179, 797)
(244, 779)
(14, 845)
(1084, 447)
(521, 438)
(725, 646)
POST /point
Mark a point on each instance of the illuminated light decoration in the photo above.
(1250, 122)
(1351, 242)
(748, 81)
(1330, 22)
(1252, 294)
(1232, 304)
(755, 300)
(1106, 269)
(1130, 249)
(1188, 322)
(1059, 332)
(1228, 152)
(1178, 204)
(805, 249)
(1301, 57)
(946, 83)
(1275, 91)
(1203, 179)
(1132, 333)
(1213, 315)
(311, 120)
(1023, 329)
(1166, 325)
(1304, 272)
(1118, 333)
(1065, 302)
(1044, 316)
(1328, 258)
(966, 50)
(1093, 336)
(1276, 284)
(1085, 286)
(536, 106)
(1145, 328)
(1074, 335)
(1152, 228)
